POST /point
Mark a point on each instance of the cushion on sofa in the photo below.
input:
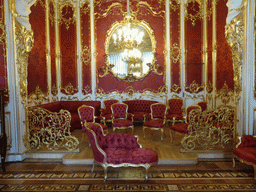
(246, 153)
(139, 108)
(247, 141)
(135, 156)
(53, 107)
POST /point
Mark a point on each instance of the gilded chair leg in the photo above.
(105, 172)
(171, 136)
(93, 164)
(146, 175)
(144, 132)
(162, 134)
(234, 162)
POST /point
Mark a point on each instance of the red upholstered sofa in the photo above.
(139, 108)
(245, 151)
(118, 150)
(72, 107)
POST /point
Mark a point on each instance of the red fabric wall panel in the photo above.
(37, 69)
(3, 64)
(224, 69)
(86, 47)
(52, 44)
(175, 43)
(110, 83)
(68, 49)
(209, 43)
(193, 47)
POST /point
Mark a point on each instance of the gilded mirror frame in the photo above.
(133, 22)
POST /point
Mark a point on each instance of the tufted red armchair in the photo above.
(245, 151)
(121, 119)
(87, 115)
(183, 127)
(175, 111)
(157, 119)
(106, 112)
(118, 150)
(203, 105)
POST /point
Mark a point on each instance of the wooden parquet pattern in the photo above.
(55, 176)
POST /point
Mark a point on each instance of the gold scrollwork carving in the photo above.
(225, 94)
(198, 13)
(209, 87)
(49, 129)
(175, 88)
(234, 33)
(64, 12)
(37, 97)
(211, 129)
(24, 43)
(194, 87)
(86, 55)
(175, 53)
(69, 89)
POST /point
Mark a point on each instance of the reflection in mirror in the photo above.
(130, 49)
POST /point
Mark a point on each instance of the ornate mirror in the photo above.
(130, 49)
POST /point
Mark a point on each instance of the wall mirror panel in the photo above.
(130, 49)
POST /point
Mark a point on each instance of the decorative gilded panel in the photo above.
(209, 46)
(68, 47)
(52, 36)
(224, 68)
(106, 15)
(37, 67)
(86, 47)
(175, 51)
(3, 63)
(193, 44)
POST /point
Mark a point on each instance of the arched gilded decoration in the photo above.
(197, 13)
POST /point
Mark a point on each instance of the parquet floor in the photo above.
(55, 176)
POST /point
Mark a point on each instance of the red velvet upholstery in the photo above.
(203, 105)
(175, 111)
(120, 117)
(139, 108)
(87, 115)
(245, 151)
(183, 127)
(106, 112)
(157, 119)
(118, 150)
(72, 107)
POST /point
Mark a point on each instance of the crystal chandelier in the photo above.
(132, 56)
(128, 36)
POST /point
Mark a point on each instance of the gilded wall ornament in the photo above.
(24, 43)
(234, 33)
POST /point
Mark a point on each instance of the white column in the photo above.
(93, 60)
(167, 56)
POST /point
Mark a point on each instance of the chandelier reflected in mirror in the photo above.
(130, 49)
(128, 37)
